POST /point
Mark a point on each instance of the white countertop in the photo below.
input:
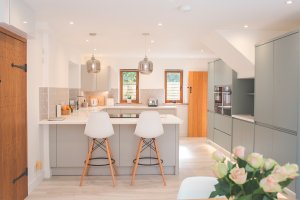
(131, 106)
(248, 118)
(81, 117)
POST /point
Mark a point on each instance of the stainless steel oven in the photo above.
(222, 95)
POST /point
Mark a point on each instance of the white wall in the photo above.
(156, 79)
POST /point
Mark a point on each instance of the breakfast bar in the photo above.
(68, 145)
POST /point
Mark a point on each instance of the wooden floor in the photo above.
(195, 160)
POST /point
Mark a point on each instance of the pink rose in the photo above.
(218, 156)
(280, 173)
(269, 164)
(270, 184)
(238, 175)
(220, 170)
(239, 152)
(256, 160)
(291, 170)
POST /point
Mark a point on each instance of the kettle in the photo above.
(94, 102)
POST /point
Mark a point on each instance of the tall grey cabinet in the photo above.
(210, 110)
(277, 98)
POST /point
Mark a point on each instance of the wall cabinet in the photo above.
(210, 125)
(95, 82)
(223, 123)
(276, 82)
(243, 134)
(223, 73)
(222, 139)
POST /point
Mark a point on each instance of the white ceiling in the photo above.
(120, 23)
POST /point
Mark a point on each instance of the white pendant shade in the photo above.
(93, 65)
(145, 66)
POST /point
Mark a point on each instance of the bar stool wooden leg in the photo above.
(88, 167)
(109, 160)
(136, 161)
(87, 160)
(114, 165)
(159, 161)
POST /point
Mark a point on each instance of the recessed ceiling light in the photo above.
(71, 22)
(152, 41)
(289, 2)
(246, 26)
(159, 24)
(201, 50)
(87, 40)
(25, 22)
(95, 49)
(185, 8)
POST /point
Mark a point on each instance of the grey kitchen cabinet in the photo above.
(263, 107)
(286, 72)
(210, 125)
(243, 134)
(211, 86)
(138, 111)
(263, 142)
(223, 74)
(70, 145)
(95, 81)
(222, 139)
(223, 123)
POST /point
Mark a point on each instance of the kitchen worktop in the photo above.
(248, 118)
(131, 106)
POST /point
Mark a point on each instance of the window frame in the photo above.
(137, 85)
(181, 85)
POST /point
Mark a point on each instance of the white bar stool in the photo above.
(99, 128)
(148, 128)
(198, 187)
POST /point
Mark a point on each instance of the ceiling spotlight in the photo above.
(87, 40)
(152, 41)
(289, 2)
(184, 8)
(95, 49)
(71, 22)
(201, 50)
(159, 24)
(25, 22)
(246, 26)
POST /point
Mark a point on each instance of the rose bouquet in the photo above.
(252, 177)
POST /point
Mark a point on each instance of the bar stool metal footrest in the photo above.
(101, 158)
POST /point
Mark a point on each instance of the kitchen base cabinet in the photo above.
(263, 141)
(222, 139)
(243, 134)
(210, 125)
(223, 123)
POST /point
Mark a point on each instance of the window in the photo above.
(129, 85)
(173, 86)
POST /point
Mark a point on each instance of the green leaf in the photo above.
(230, 165)
(245, 197)
(284, 184)
(235, 189)
(213, 194)
(250, 186)
(266, 197)
(241, 163)
(248, 168)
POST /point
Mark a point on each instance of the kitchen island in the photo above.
(67, 146)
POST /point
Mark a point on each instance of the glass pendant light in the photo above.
(93, 65)
(145, 66)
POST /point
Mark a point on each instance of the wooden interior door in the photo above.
(197, 116)
(13, 112)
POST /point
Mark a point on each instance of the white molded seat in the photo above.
(99, 125)
(198, 187)
(149, 125)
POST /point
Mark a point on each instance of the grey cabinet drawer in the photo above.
(243, 134)
(263, 141)
(223, 123)
(222, 139)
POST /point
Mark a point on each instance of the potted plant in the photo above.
(252, 177)
(129, 99)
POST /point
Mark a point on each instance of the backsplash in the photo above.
(43, 96)
(145, 94)
(57, 96)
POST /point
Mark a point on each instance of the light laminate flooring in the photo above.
(195, 160)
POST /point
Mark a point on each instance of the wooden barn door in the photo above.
(197, 116)
(13, 117)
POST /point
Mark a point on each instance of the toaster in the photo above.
(152, 102)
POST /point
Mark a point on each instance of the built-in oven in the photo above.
(222, 97)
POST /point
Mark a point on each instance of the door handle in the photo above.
(190, 88)
(25, 173)
(23, 67)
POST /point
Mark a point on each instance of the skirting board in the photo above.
(290, 194)
(35, 182)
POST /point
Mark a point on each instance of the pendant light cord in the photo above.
(145, 46)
